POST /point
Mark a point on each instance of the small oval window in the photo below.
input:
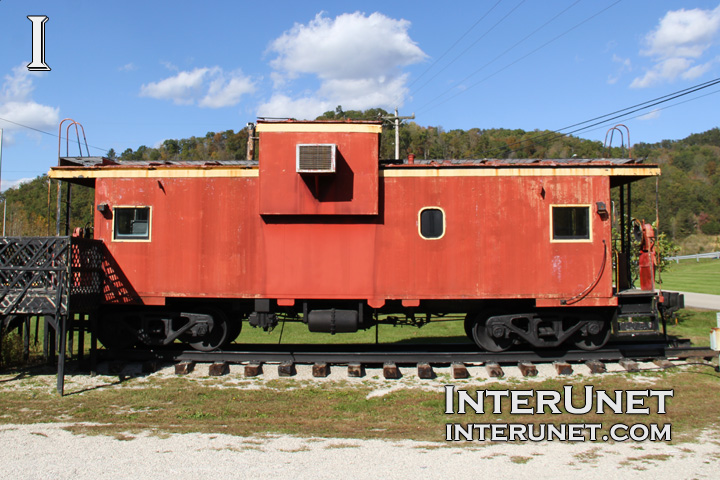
(432, 223)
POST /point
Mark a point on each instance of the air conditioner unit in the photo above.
(316, 158)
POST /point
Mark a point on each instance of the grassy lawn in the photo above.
(296, 332)
(693, 276)
(239, 406)
(693, 324)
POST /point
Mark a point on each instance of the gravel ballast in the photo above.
(49, 451)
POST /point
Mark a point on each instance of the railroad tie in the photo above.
(527, 369)
(183, 368)
(663, 363)
(494, 370)
(253, 369)
(425, 371)
(629, 365)
(286, 369)
(563, 368)
(596, 366)
(320, 370)
(219, 368)
(150, 366)
(391, 371)
(459, 370)
(355, 370)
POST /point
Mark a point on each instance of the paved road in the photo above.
(702, 300)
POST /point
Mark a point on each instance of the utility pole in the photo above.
(397, 119)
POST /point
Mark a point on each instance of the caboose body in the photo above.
(319, 228)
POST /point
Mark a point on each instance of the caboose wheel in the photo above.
(594, 340)
(469, 323)
(491, 339)
(234, 329)
(217, 335)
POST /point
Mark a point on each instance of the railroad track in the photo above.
(356, 357)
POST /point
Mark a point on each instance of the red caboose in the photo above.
(321, 228)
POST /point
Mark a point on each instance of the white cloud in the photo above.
(17, 105)
(128, 67)
(698, 70)
(350, 46)
(681, 38)
(281, 105)
(650, 116)
(668, 69)
(683, 33)
(5, 184)
(206, 87)
(625, 66)
(226, 90)
(182, 88)
(357, 60)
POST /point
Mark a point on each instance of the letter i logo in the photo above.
(38, 43)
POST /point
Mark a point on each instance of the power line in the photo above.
(47, 133)
(506, 51)
(605, 123)
(709, 83)
(454, 44)
(428, 106)
(472, 44)
(554, 134)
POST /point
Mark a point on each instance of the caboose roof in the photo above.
(621, 170)
(319, 126)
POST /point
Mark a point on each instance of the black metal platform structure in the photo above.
(57, 278)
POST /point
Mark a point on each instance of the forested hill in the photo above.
(689, 186)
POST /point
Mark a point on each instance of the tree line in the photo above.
(689, 188)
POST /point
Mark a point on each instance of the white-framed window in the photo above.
(132, 223)
(570, 223)
(431, 223)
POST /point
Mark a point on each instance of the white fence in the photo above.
(697, 256)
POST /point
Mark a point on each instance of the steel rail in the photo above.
(408, 354)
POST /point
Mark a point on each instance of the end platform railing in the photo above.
(56, 278)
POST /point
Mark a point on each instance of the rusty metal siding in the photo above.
(208, 240)
(351, 190)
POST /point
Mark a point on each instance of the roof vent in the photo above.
(316, 158)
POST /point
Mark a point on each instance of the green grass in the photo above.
(693, 276)
(296, 332)
(178, 405)
(693, 324)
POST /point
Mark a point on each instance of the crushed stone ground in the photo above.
(48, 451)
(39, 451)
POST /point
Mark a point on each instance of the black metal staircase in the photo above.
(57, 278)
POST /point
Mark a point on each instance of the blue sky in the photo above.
(139, 72)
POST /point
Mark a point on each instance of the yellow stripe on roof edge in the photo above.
(235, 172)
(319, 127)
